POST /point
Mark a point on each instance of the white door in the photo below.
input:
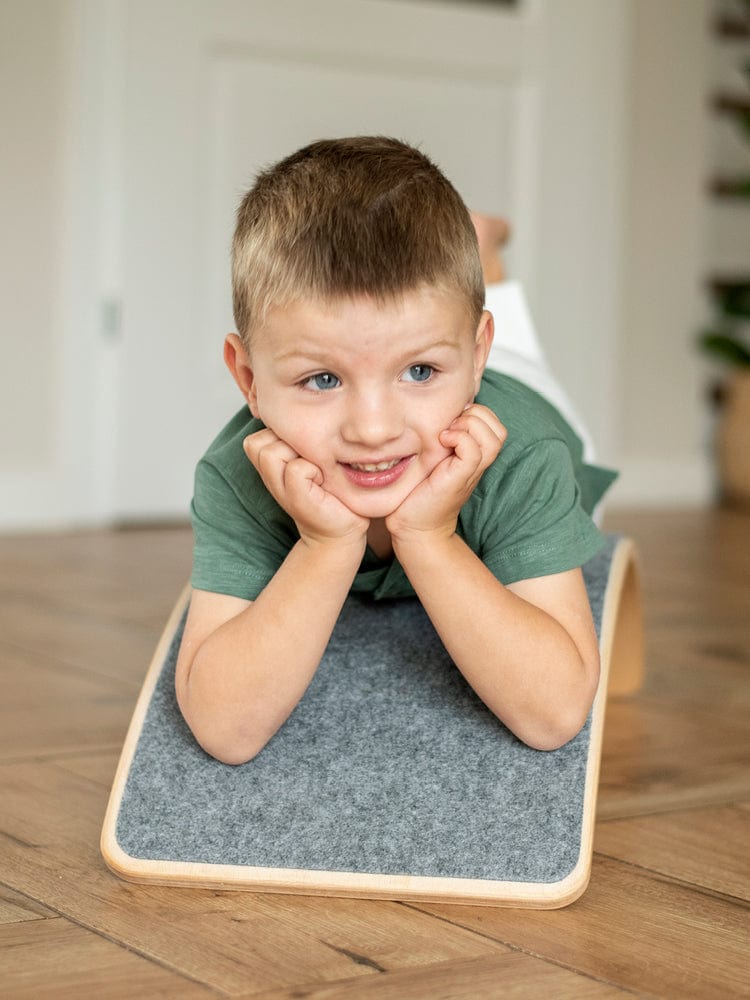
(212, 90)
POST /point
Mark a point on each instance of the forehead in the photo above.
(414, 316)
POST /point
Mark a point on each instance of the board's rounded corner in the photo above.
(570, 888)
(125, 866)
(118, 861)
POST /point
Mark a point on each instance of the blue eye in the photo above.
(418, 373)
(322, 382)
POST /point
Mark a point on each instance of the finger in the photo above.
(301, 478)
(491, 420)
(271, 456)
(255, 444)
(476, 412)
(473, 453)
(464, 467)
(468, 450)
(318, 510)
(268, 453)
(489, 435)
(474, 430)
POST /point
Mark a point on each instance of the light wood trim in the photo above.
(621, 597)
(477, 892)
(622, 639)
(110, 848)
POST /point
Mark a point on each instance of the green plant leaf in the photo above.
(725, 347)
(733, 297)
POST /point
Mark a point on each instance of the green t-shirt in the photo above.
(529, 515)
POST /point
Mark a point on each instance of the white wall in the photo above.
(663, 452)
(49, 316)
(33, 82)
(576, 304)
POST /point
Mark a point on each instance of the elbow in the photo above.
(227, 743)
(556, 733)
(566, 722)
(228, 748)
(231, 755)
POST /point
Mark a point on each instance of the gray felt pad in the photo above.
(390, 764)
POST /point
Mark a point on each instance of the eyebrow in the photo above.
(420, 349)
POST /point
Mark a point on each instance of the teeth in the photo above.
(375, 467)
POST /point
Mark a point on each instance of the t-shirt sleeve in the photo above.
(534, 523)
(234, 552)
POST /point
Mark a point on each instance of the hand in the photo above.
(475, 438)
(296, 485)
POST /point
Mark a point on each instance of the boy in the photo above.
(380, 459)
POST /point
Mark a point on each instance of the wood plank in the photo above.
(695, 567)
(47, 709)
(267, 942)
(661, 755)
(98, 766)
(94, 600)
(684, 740)
(632, 929)
(16, 907)
(65, 638)
(709, 848)
(128, 576)
(55, 958)
(509, 975)
(701, 664)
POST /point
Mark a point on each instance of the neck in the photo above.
(379, 538)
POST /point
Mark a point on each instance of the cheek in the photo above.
(274, 414)
(432, 451)
(298, 433)
(433, 457)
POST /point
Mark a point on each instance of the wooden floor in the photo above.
(666, 914)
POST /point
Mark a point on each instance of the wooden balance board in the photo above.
(389, 780)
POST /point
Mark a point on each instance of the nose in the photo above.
(373, 419)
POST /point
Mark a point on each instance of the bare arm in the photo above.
(243, 666)
(529, 650)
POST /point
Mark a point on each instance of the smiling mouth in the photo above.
(374, 466)
(376, 474)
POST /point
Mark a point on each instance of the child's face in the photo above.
(362, 390)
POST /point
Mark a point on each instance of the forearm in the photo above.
(246, 678)
(520, 660)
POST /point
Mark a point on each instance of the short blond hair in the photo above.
(367, 215)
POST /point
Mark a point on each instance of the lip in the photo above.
(379, 478)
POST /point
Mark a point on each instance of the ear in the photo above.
(237, 361)
(482, 344)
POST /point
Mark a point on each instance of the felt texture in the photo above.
(390, 764)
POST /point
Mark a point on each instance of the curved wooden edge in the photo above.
(476, 892)
(411, 888)
(621, 579)
(110, 849)
(621, 657)
(622, 634)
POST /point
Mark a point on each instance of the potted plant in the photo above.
(729, 343)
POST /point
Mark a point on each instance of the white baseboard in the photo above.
(44, 499)
(663, 481)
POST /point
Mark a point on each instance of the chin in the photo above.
(374, 511)
(374, 508)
